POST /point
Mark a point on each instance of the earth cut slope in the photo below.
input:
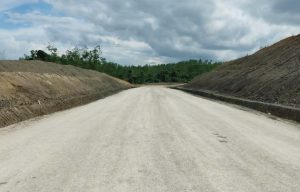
(32, 88)
(271, 75)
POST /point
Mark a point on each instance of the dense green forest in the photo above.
(91, 59)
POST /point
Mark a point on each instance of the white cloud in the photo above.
(16, 43)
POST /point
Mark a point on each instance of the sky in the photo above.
(137, 32)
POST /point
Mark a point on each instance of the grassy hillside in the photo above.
(270, 75)
(32, 88)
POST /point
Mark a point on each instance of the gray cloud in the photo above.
(283, 12)
(287, 11)
(144, 31)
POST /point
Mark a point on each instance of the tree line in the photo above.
(86, 58)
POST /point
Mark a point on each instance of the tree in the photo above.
(41, 55)
(53, 57)
(183, 71)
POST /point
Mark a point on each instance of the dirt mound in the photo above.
(270, 75)
(32, 88)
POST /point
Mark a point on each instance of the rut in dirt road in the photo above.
(151, 139)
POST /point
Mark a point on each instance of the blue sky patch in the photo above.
(42, 7)
(8, 25)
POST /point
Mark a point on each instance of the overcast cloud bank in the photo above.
(148, 31)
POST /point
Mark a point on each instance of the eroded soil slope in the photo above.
(270, 75)
(32, 88)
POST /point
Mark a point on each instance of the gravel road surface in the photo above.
(151, 139)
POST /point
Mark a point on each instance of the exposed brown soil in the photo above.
(270, 75)
(32, 88)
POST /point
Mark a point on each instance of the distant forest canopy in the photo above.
(86, 58)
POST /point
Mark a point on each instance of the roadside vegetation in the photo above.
(86, 58)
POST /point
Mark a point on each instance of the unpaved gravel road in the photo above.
(151, 139)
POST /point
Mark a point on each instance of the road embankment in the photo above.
(285, 112)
